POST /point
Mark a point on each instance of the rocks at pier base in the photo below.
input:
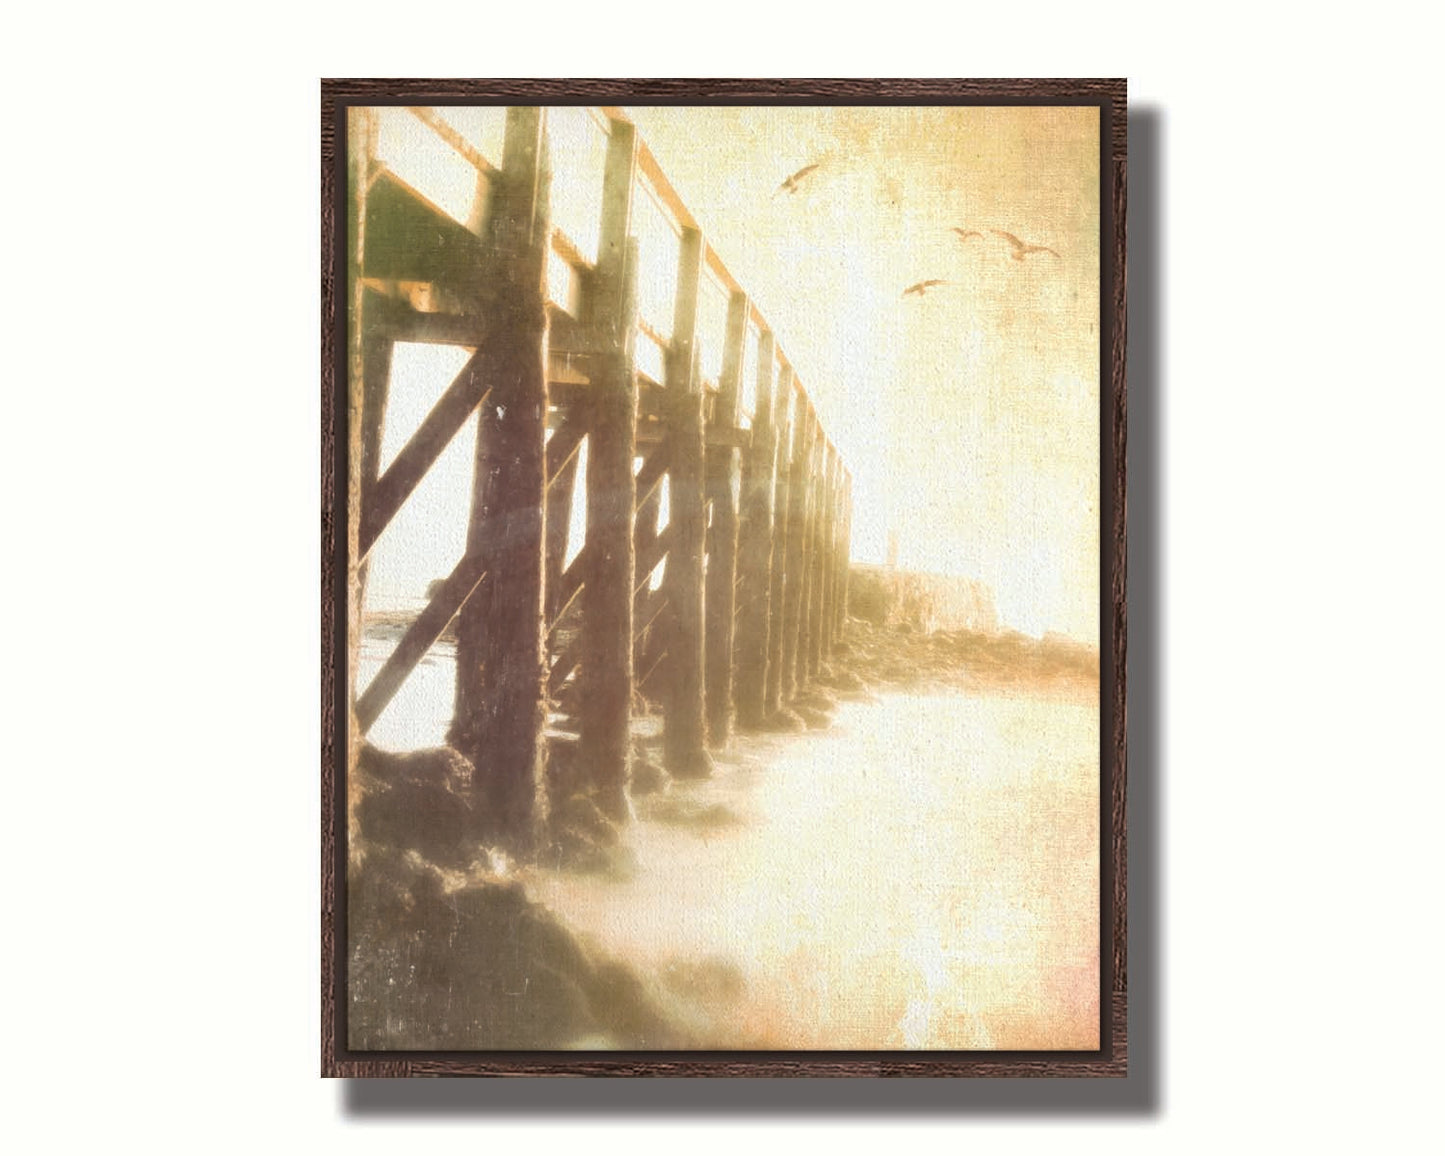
(582, 836)
(919, 602)
(814, 719)
(429, 801)
(782, 721)
(838, 679)
(1000, 662)
(814, 708)
(446, 949)
(648, 778)
(587, 842)
(691, 765)
(448, 960)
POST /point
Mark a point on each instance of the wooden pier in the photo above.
(755, 549)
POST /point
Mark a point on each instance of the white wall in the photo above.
(161, 570)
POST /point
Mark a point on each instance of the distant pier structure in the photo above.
(751, 602)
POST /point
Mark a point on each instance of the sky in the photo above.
(968, 415)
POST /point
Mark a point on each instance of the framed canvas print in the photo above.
(723, 544)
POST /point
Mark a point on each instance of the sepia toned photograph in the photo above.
(724, 562)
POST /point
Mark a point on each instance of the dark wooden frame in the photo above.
(1110, 97)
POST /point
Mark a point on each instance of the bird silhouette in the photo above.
(923, 287)
(1023, 248)
(965, 234)
(791, 184)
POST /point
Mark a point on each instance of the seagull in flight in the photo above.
(923, 287)
(1023, 248)
(965, 234)
(791, 184)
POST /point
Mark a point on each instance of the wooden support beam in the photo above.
(419, 638)
(398, 321)
(468, 390)
(845, 551)
(796, 546)
(801, 673)
(822, 554)
(461, 144)
(560, 486)
(807, 621)
(650, 555)
(413, 240)
(563, 453)
(649, 510)
(562, 589)
(501, 667)
(787, 425)
(834, 551)
(569, 585)
(651, 408)
(562, 667)
(650, 604)
(654, 654)
(376, 381)
(755, 548)
(605, 745)
(649, 547)
(564, 444)
(825, 555)
(685, 723)
(646, 549)
(722, 540)
(812, 651)
(650, 478)
(650, 642)
(650, 435)
(376, 375)
(358, 158)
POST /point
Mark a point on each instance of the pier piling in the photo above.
(755, 548)
(722, 535)
(501, 684)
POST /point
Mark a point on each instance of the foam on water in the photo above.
(922, 874)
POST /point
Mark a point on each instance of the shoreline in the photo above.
(446, 931)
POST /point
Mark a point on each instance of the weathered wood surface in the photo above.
(604, 751)
(685, 724)
(827, 554)
(560, 486)
(722, 538)
(845, 547)
(788, 425)
(376, 376)
(811, 630)
(795, 548)
(420, 636)
(755, 549)
(650, 478)
(358, 130)
(501, 664)
(469, 389)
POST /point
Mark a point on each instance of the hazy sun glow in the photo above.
(968, 415)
